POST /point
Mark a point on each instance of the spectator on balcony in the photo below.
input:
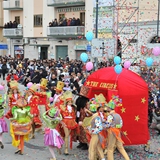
(10, 24)
(73, 22)
(15, 24)
(50, 24)
(78, 22)
(64, 22)
(69, 21)
(60, 21)
(55, 23)
(5, 25)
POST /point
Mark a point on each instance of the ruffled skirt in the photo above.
(3, 125)
(21, 129)
(53, 138)
(70, 123)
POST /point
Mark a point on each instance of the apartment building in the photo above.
(3, 45)
(33, 38)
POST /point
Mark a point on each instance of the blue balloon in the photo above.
(89, 36)
(84, 57)
(118, 69)
(117, 60)
(149, 62)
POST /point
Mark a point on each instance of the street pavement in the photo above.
(35, 149)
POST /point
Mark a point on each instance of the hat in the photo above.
(100, 98)
(68, 95)
(84, 91)
(93, 105)
(59, 87)
(53, 112)
(13, 85)
(115, 102)
(33, 88)
(21, 102)
(43, 83)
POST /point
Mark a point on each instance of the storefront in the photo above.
(79, 49)
(61, 52)
(3, 49)
(19, 52)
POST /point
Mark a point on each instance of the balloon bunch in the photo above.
(118, 67)
(84, 56)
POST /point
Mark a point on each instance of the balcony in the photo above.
(65, 3)
(66, 32)
(13, 32)
(13, 5)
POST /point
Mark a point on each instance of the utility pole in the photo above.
(158, 19)
(97, 18)
(96, 36)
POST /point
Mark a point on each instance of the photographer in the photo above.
(12, 76)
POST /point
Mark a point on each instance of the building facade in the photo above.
(3, 45)
(33, 38)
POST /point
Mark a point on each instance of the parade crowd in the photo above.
(56, 103)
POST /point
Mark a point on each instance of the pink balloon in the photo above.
(1, 87)
(51, 99)
(89, 66)
(127, 64)
(29, 84)
(156, 51)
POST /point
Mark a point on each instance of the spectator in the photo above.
(73, 22)
(55, 23)
(4, 69)
(78, 22)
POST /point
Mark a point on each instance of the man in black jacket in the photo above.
(52, 84)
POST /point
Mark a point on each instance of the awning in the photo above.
(3, 46)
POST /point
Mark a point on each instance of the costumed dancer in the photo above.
(43, 103)
(114, 124)
(3, 124)
(21, 123)
(68, 122)
(82, 104)
(32, 101)
(52, 138)
(13, 96)
(59, 91)
(98, 138)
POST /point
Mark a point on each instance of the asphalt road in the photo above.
(35, 149)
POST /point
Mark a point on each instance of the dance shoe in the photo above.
(1, 144)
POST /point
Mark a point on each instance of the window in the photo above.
(38, 20)
(17, 19)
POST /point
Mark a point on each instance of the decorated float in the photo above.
(134, 93)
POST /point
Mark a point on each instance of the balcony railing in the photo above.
(13, 5)
(64, 3)
(72, 31)
(13, 32)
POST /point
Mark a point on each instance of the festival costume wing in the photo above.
(87, 121)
